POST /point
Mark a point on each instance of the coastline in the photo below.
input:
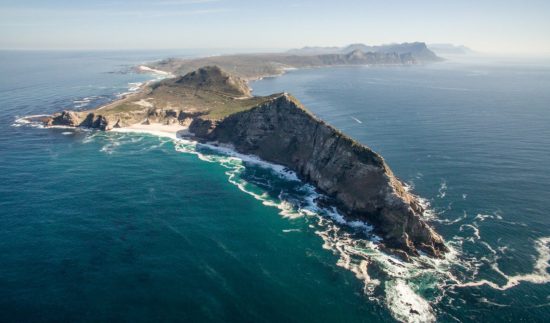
(173, 125)
(141, 87)
(167, 75)
(408, 302)
(147, 69)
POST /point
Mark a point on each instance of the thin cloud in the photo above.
(30, 13)
(172, 13)
(183, 2)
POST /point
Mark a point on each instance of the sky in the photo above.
(490, 26)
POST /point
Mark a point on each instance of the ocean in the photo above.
(99, 226)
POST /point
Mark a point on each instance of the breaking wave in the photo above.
(357, 247)
(410, 290)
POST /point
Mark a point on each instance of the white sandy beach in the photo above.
(144, 68)
(173, 131)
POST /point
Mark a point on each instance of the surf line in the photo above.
(356, 120)
(539, 275)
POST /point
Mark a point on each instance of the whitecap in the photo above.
(357, 120)
(30, 120)
(406, 305)
(483, 217)
(134, 86)
(474, 228)
(452, 221)
(442, 192)
(80, 103)
(486, 301)
(90, 138)
(110, 147)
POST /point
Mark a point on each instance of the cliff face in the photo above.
(97, 120)
(78, 119)
(283, 132)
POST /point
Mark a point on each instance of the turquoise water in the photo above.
(115, 226)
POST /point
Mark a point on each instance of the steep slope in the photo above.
(356, 178)
(210, 78)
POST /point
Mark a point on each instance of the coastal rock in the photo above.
(65, 118)
(356, 178)
(171, 113)
(96, 121)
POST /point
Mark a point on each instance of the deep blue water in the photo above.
(108, 226)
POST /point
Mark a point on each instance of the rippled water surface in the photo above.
(109, 226)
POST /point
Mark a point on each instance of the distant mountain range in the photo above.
(417, 50)
(254, 66)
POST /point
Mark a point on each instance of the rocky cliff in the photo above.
(107, 121)
(357, 179)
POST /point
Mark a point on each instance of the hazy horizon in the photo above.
(491, 27)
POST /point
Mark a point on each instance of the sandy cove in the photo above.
(173, 131)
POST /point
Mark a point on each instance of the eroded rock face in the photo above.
(96, 120)
(283, 132)
(65, 118)
(80, 119)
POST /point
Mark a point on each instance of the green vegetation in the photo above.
(209, 91)
(224, 109)
(122, 107)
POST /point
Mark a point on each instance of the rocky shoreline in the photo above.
(356, 179)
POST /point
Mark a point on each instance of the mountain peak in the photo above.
(213, 78)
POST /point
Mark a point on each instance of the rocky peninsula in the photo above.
(211, 105)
